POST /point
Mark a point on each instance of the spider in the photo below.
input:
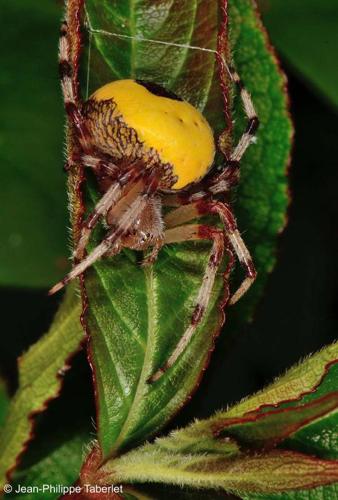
(149, 149)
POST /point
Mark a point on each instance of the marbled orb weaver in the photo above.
(149, 149)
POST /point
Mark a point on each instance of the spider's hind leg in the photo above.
(189, 233)
(202, 207)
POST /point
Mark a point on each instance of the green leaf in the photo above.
(57, 463)
(322, 492)
(256, 473)
(191, 74)
(271, 427)
(308, 419)
(305, 33)
(137, 315)
(299, 381)
(269, 424)
(319, 437)
(133, 305)
(33, 223)
(40, 378)
(59, 466)
(231, 453)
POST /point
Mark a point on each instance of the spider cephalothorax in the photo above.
(148, 149)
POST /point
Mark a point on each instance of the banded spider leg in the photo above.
(140, 190)
(219, 182)
(219, 245)
(191, 211)
(119, 186)
(223, 181)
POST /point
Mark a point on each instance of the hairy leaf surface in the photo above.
(236, 454)
(300, 380)
(257, 473)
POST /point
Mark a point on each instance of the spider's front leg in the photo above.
(190, 233)
(106, 203)
(191, 211)
(250, 112)
(140, 189)
(70, 91)
(229, 176)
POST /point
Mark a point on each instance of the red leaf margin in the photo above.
(325, 405)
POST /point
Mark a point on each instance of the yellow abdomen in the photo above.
(175, 129)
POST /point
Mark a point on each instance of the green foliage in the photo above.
(257, 473)
(218, 452)
(60, 466)
(191, 74)
(137, 315)
(40, 373)
(33, 226)
(135, 318)
(305, 33)
(298, 381)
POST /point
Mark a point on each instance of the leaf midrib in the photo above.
(147, 365)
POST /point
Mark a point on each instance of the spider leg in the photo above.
(108, 200)
(188, 233)
(141, 191)
(194, 210)
(69, 89)
(222, 181)
(249, 109)
(100, 166)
